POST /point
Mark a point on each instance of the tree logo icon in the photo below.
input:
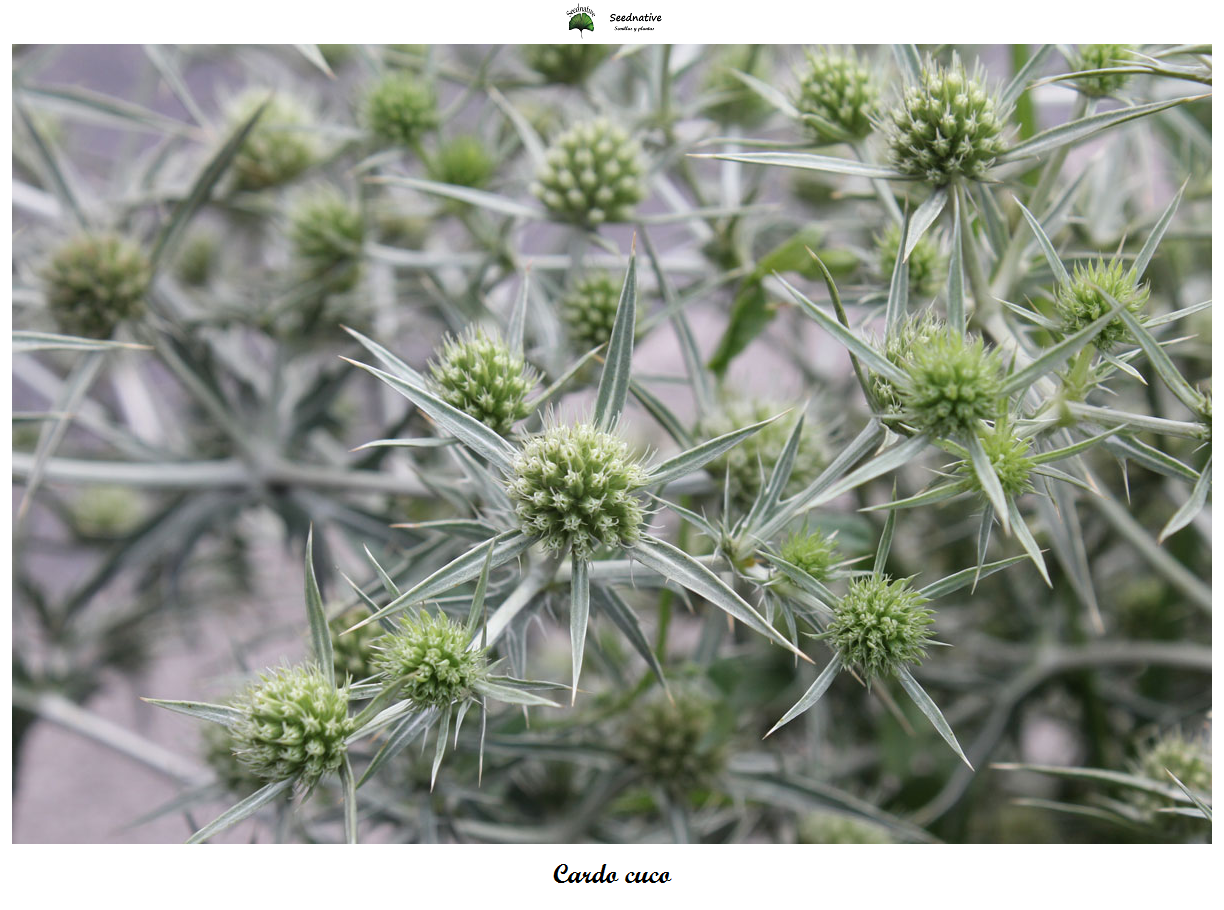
(582, 19)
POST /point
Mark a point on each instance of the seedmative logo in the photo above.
(582, 18)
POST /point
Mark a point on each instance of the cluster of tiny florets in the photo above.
(567, 64)
(430, 658)
(839, 95)
(835, 828)
(880, 626)
(1189, 759)
(353, 653)
(1101, 57)
(675, 743)
(94, 282)
(1008, 454)
(952, 383)
(946, 126)
(592, 174)
(575, 487)
(1081, 301)
(462, 161)
(106, 511)
(327, 232)
(589, 309)
(278, 148)
(401, 109)
(928, 266)
(914, 332)
(814, 553)
(218, 747)
(294, 723)
(479, 374)
(747, 466)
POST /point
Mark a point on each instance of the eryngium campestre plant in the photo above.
(327, 232)
(94, 282)
(748, 465)
(1082, 301)
(462, 161)
(428, 656)
(951, 384)
(293, 724)
(589, 309)
(737, 103)
(947, 126)
(1102, 57)
(479, 374)
(928, 266)
(837, 96)
(568, 64)
(575, 487)
(280, 146)
(400, 109)
(353, 652)
(880, 626)
(814, 553)
(1009, 458)
(674, 743)
(592, 174)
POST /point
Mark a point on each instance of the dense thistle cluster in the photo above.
(1009, 459)
(952, 383)
(880, 626)
(353, 653)
(106, 511)
(736, 102)
(327, 232)
(675, 743)
(400, 109)
(837, 97)
(1101, 57)
(94, 282)
(217, 744)
(947, 126)
(914, 332)
(575, 487)
(462, 161)
(814, 553)
(478, 374)
(748, 465)
(1082, 301)
(928, 266)
(592, 174)
(836, 828)
(278, 148)
(567, 64)
(589, 309)
(294, 724)
(429, 657)
(1189, 760)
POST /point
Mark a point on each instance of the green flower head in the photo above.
(279, 147)
(197, 261)
(589, 309)
(835, 828)
(294, 724)
(566, 64)
(1101, 57)
(749, 464)
(400, 109)
(928, 267)
(946, 126)
(1081, 302)
(327, 232)
(353, 653)
(1189, 759)
(94, 282)
(592, 174)
(1008, 454)
(462, 161)
(838, 97)
(675, 743)
(575, 487)
(479, 374)
(814, 553)
(880, 626)
(952, 383)
(430, 658)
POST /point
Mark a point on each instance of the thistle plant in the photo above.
(878, 466)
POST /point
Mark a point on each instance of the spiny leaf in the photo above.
(931, 710)
(320, 633)
(614, 382)
(812, 695)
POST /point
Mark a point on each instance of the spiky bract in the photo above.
(96, 281)
(575, 487)
(952, 383)
(839, 96)
(592, 174)
(479, 374)
(400, 109)
(880, 626)
(1081, 301)
(429, 656)
(749, 464)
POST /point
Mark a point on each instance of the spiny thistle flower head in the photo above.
(353, 653)
(946, 126)
(400, 109)
(294, 724)
(279, 147)
(1189, 759)
(952, 383)
(837, 91)
(836, 828)
(675, 743)
(737, 102)
(592, 174)
(1101, 57)
(327, 232)
(589, 309)
(429, 656)
(1081, 301)
(566, 64)
(107, 511)
(198, 260)
(96, 281)
(928, 267)
(814, 553)
(218, 746)
(914, 332)
(462, 161)
(749, 464)
(575, 487)
(1008, 454)
(880, 626)
(479, 374)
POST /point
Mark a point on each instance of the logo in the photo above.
(582, 18)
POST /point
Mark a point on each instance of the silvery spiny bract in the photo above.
(479, 374)
(592, 173)
(839, 94)
(94, 282)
